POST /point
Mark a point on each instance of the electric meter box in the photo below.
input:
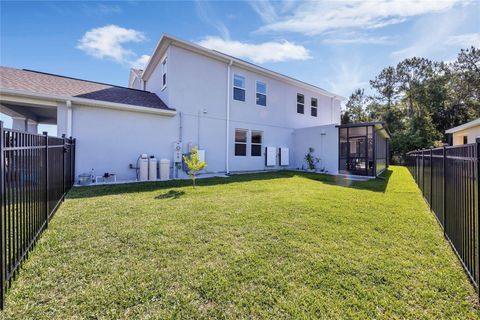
(177, 152)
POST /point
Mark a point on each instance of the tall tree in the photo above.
(419, 99)
(385, 85)
(411, 74)
(355, 107)
(465, 81)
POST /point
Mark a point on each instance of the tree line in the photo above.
(419, 99)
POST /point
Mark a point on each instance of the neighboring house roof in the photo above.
(134, 75)
(464, 126)
(138, 72)
(46, 83)
(167, 40)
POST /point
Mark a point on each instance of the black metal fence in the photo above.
(36, 173)
(449, 180)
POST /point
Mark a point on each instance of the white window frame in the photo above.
(264, 94)
(245, 143)
(237, 87)
(313, 107)
(256, 143)
(164, 73)
(303, 104)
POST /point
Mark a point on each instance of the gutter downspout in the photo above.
(69, 118)
(332, 102)
(227, 135)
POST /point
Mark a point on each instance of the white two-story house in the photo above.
(243, 117)
(233, 109)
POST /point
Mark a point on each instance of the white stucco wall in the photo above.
(325, 146)
(109, 140)
(197, 88)
(470, 133)
(155, 82)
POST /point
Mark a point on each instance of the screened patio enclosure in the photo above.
(363, 148)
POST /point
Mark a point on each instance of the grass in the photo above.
(270, 245)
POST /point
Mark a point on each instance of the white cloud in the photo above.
(314, 18)
(259, 53)
(108, 43)
(141, 62)
(348, 76)
(359, 39)
(464, 40)
(440, 42)
(265, 10)
(206, 14)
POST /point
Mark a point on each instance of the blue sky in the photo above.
(338, 46)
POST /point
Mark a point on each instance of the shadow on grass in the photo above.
(172, 194)
(376, 185)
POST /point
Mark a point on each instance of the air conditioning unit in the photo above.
(270, 156)
(284, 156)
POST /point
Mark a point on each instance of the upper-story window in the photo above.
(164, 72)
(238, 88)
(261, 93)
(240, 142)
(300, 103)
(314, 107)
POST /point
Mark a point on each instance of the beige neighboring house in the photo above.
(466, 133)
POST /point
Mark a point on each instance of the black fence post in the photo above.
(431, 179)
(3, 264)
(423, 174)
(64, 150)
(73, 151)
(46, 179)
(444, 191)
(477, 150)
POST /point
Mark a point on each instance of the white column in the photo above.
(32, 126)
(19, 123)
(69, 118)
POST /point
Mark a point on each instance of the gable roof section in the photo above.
(167, 40)
(464, 126)
(379, 126)
(51, 84)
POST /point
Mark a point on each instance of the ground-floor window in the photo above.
(240, 142)
(256, 144)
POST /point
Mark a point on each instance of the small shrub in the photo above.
(194, 164)
(311, 160)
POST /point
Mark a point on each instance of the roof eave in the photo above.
(167, 40)
(84, 101)
(464, 126)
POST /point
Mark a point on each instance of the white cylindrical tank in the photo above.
(164, 169)
(143, 168)
(152, 168)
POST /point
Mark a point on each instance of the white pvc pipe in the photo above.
(69, 118)
(227, 135)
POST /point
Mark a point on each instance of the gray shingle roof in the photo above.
(39, 82)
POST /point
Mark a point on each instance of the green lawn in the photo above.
(269, 245)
